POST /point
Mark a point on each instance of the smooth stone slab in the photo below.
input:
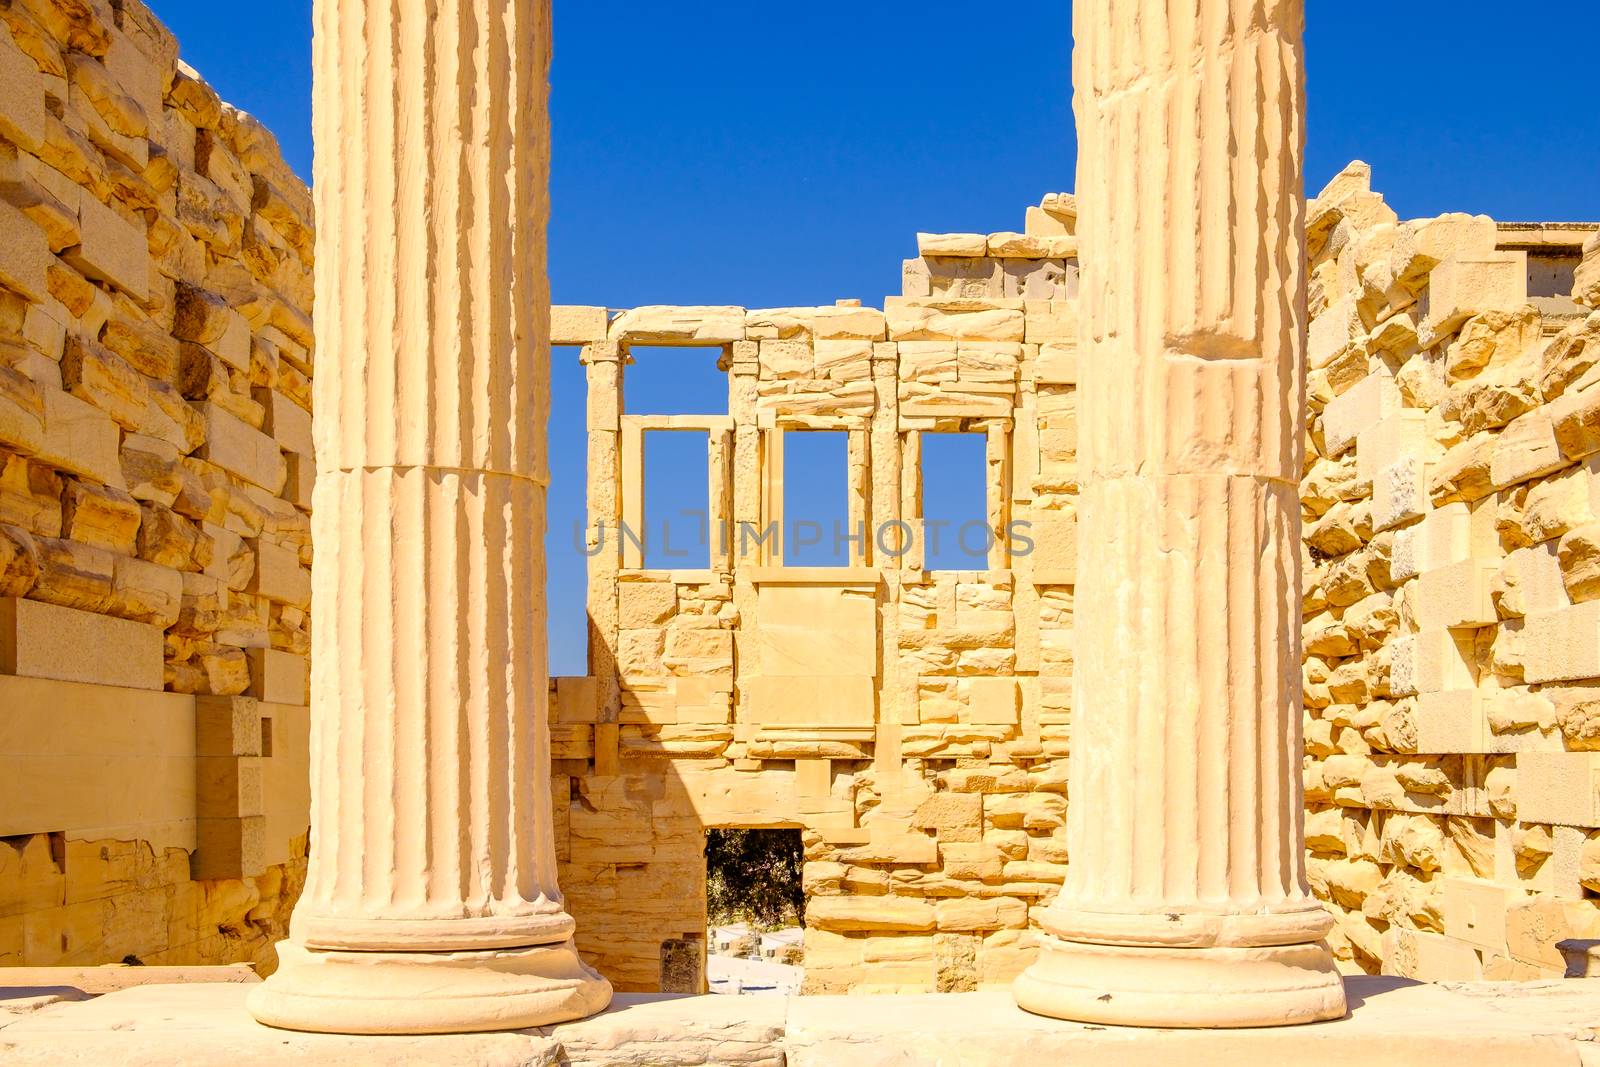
(111, 977)
(155, 1026)
(1395, 1023)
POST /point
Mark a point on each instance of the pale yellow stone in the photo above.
(1031, 246)
(113, 249)
(278, 677)
(45, 641)
(80, 439)
(1587, 281)
(26, 255)
(679, 325)
(1149, 472)
(958, 245)
(573, 325)
(405, 946)
(97, 761)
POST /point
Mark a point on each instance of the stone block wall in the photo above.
(911, 722)
(155, 475)
(1450, 648)
(1451, 670)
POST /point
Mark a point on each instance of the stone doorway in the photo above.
(755, 899)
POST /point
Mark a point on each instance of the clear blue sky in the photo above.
(772, 154)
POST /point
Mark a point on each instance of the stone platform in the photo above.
(1394, 1022)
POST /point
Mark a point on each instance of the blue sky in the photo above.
(777, 154)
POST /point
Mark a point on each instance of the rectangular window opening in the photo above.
(567, 576)
(677, 500)
(675, 381)
(816, 499)
(955, 502)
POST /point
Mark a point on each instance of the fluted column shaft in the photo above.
(1185, 799)
(432, 831)
(428, 668)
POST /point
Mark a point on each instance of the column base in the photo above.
(1190, 988)
(427, 992)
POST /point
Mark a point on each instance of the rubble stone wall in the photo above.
(155, 476)
(1452, 645)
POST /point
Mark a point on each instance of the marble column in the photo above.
(431, 905)
(1186, 901)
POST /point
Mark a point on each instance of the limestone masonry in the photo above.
(1451, 635)
(155, 483)
(916, 723)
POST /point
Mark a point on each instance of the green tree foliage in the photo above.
(754, 876)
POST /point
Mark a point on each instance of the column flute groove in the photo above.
(431, 904)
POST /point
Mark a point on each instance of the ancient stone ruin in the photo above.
(1273, 667)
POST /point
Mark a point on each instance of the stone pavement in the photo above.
(1395, 1022)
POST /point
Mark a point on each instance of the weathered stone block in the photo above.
(1559, 788)
(22, 90)
(955, 321)
(145, 592)
(21, 412)
(100, 516)
(1525, 449)
(973, 914)
(851, 914)
(1347, 416)
(1455, 596)
(24, 254)
(73, 575)
(1562, 645)
(19, 561)
(575, 325)
(964, 245)
(46, 641)
(680, 325)
(94, 373)
(80, 438)
(240, 449)
(113, 251)
(279, 575)
(287, 422)
(279, 677)
(1460, 288)
(151, 469)
(954, 817)
(1429, 957)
